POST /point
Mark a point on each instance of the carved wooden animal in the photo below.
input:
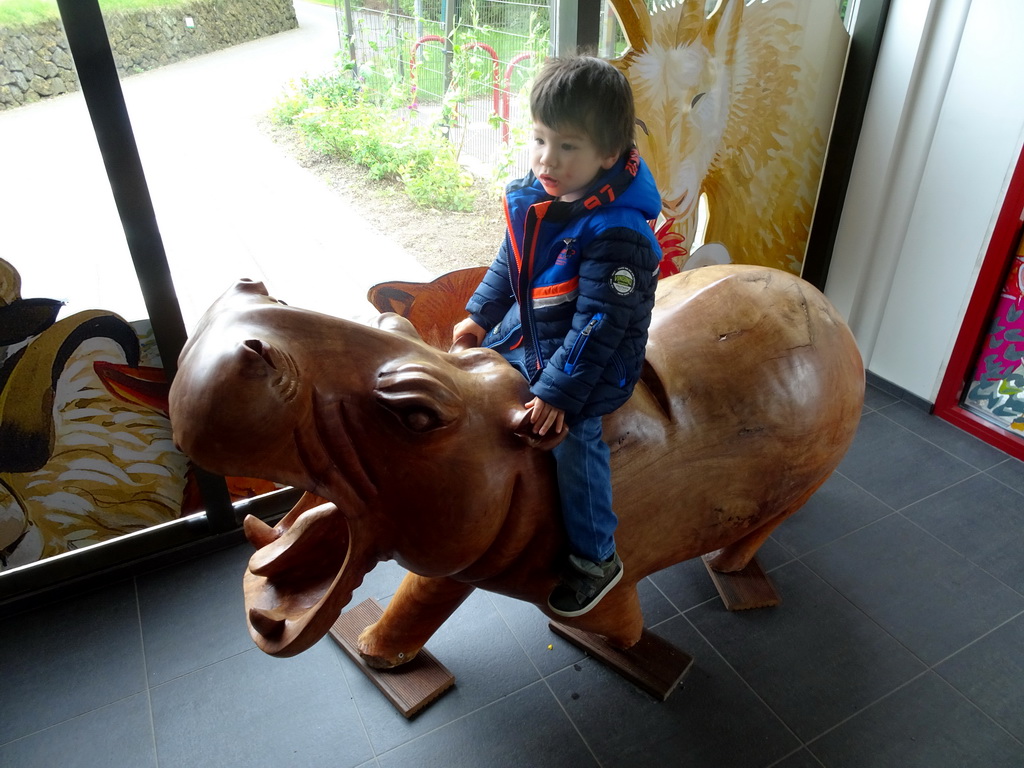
(752, 392)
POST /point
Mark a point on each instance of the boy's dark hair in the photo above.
(588, 94)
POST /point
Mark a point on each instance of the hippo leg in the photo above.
(735, 556)
(419, 607)
(617, 618)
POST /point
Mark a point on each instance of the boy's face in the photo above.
(566, 162)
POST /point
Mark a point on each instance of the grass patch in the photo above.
(21, 13)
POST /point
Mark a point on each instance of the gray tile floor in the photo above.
(898, 643)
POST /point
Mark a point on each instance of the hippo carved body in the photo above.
(751, 394)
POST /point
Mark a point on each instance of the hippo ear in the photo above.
(523, 429)
(419, 398)
(396, 324)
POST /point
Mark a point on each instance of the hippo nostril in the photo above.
(261, 349)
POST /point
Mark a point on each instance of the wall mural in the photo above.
(736, 107)
(85, 443)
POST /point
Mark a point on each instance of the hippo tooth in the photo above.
(269, 624)
(257, 532)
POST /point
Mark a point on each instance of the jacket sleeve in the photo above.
(493, 297)
(618, 276)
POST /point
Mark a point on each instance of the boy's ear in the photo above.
(610, 161)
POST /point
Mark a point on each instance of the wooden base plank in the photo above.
(653, 664)
(410, 687)
(743, 590)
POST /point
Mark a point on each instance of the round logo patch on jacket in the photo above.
(623, 281)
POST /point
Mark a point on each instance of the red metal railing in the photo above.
(506, 94)
(496, 69)
(499, 89)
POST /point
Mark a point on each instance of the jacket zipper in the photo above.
(533, 221)
(580, 343)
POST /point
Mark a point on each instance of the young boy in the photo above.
(568, 299)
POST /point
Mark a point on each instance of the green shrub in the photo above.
(337, 118)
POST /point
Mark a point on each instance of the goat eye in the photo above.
(697, 98)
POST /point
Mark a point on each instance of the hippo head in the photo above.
(405, 451)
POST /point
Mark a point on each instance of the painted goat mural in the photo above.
(735, 107)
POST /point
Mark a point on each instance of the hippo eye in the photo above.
(420, 421)
(697, 98)
(419, 400)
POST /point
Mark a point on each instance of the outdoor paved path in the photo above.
(229, 202)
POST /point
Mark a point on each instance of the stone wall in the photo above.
(35, 61)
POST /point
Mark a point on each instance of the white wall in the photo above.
(943, 129)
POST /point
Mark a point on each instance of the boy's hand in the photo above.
(471, 328)
(544, 417)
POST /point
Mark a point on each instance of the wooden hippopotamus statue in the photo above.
(752, 391)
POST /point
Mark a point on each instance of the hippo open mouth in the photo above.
(301, 576)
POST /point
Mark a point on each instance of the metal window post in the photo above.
(577, 26)
(449, 36)
(349, 40)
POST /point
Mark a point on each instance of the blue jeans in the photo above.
(585, 489)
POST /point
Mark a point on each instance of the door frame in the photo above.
(999, 255)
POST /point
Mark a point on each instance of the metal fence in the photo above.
(465, 64)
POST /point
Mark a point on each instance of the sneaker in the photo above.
(583, 585)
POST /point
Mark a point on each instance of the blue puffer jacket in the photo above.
(568, 299)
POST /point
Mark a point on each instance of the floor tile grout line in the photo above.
(846, 535)
(541, 679)
(960, 554)
(901, 511)
(927, 668)
(893, 510)
(69, 719)
(468, 714)
(928, 439)
(864, 613)
(865, 708)
(201, 667)
(572, 722)
(678, 610)
(529, 658)
(145, 670)
(544, 679)
(355, 704)
(975, 706)
(988, 473)
(795, 752)
(861, 488)
(976, 640)
(933, 494)
(743, 679)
